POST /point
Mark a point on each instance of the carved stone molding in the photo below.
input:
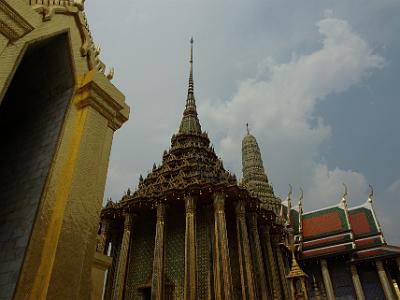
(98, 93)
(12, 25)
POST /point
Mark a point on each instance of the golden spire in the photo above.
(190, 123)
(295, 270)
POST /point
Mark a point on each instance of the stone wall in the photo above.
(31, 115)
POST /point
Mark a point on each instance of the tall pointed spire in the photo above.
(190, 123)
(254, 175)
(191, 84)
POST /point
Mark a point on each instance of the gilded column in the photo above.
(245, 262)
(386, 285)
(222, 277)
(282, 268)
(190, 248)
(261, 280)
(123, 258)
(157, 281)
(327, 280)
(276, 290)
(356, 282)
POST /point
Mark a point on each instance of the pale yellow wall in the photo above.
(59, 257)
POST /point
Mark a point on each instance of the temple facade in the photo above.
(191, 231)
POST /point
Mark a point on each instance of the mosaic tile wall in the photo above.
(203, 235)
(175, 254)
(140, 256)
(31, 117)
(341, 280)
(370, 282)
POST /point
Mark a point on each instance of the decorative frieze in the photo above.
(12, 25)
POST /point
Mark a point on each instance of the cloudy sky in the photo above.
(318, 82)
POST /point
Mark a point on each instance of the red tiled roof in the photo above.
(368, 242)
(384, 250)
(324, 223)
(372, 252)
(328, 240)
(362, 222)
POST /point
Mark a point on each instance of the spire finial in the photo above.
(191, 84)
(247, 128)
(190, 122)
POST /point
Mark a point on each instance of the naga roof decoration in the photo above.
(254, 176)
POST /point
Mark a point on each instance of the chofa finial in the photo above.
(110, 74)
(290, 192)
(371, 193)
(289, 205)
(299, 203)
(344, 197)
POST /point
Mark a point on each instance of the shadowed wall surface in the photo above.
(31, 115)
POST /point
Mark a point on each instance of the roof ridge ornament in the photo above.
(371, 194)
(344, 197)
(289, 205)
(299, 202)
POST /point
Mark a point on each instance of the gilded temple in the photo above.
(191, 231)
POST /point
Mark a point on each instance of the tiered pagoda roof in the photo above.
(339, 230)
(190, 164)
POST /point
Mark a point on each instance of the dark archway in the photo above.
(31, 116)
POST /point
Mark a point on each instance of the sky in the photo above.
(317, 81)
